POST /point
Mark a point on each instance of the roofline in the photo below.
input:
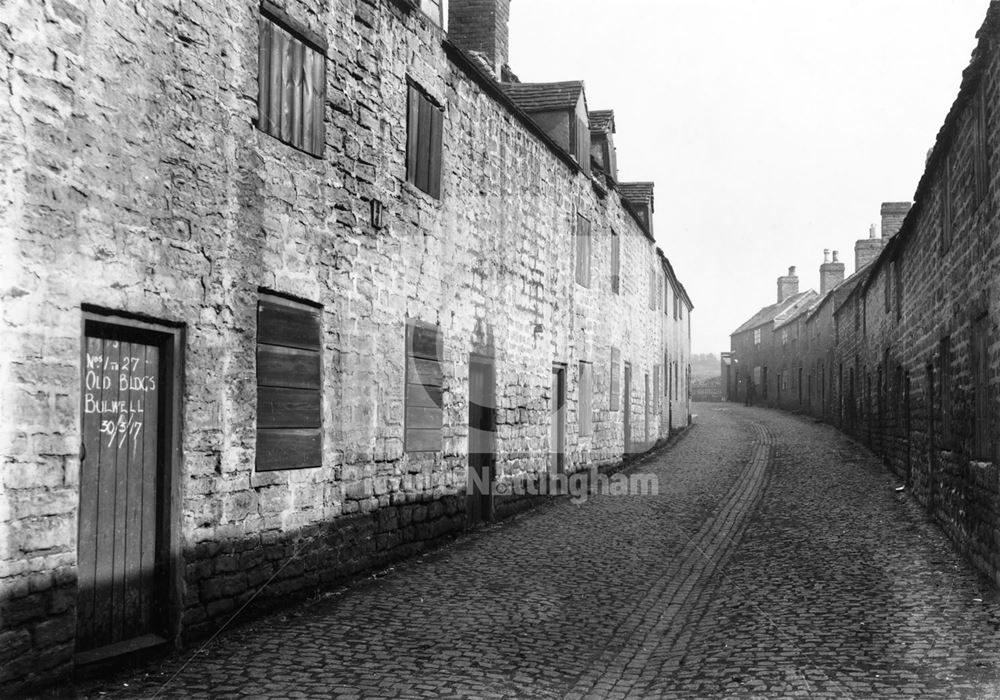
(491, 87)
(673, 276)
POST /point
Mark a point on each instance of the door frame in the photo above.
(170, 338)
(627, 406)
(557, 452)
(485, 507)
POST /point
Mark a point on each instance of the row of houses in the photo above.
(904, 354)
(290, 291)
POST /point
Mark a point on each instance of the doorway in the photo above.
(557, 413)
(482, 439)
(628, 408)
(129, 394)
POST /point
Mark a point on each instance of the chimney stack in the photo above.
(480, 27)
(893, 214)
(830, 273)
(788, 285)
(866, 250)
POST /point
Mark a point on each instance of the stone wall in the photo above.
(134, 181)
(890, 337)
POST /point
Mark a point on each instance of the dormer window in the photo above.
(560, 110)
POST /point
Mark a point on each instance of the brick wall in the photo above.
(893, 342)
(137, 183)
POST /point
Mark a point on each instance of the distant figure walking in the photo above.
(750, 389)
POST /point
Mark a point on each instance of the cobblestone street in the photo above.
(778, 560)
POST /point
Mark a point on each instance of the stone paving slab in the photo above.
(777, 560)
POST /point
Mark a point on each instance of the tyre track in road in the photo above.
(682, 593)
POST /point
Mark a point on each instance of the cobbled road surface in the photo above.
(777, 560)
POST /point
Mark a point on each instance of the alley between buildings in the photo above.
(779, 559)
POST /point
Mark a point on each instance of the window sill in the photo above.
(420, 194)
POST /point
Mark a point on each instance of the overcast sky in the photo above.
(772, 128)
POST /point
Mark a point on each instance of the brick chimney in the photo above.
(788, 285)
(893, 214)
(831, 273)
(866, 250)
(480, 27)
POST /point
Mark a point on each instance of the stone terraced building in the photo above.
(290, 291)
(905, 353)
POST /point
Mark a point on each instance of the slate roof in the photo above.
(799, 308)
(638, 192)
(769, 313)
(543, 97)
(603, 120)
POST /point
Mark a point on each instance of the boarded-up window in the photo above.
(652, 289)
(983, 447)
(616, 263)
(656, 388)
(945, 388)
(291, 82)
(582, 251)
(616, 379)
(980, 155)
(289, 385)
(424, 125)
(586, 390)
(424, 387)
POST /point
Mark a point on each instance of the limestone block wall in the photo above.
(135, 182)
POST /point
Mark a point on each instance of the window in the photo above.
(659, 292)
(289, 385)
(291, 81)
(756, 336)
(980, 157)
(652, 289)
(582, 251)
(983, 445)
(424, 388)
(616, 379)
(424, 123)
(586, 389)
(432, 8)
(666, 298)
(616, 263)
(656, 389)
(784, 336)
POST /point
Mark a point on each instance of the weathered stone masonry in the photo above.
(908, 348)
(134, 187)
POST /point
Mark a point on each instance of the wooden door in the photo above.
(557, 412)
(628, 408)
(482, 439)
(120, 586)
